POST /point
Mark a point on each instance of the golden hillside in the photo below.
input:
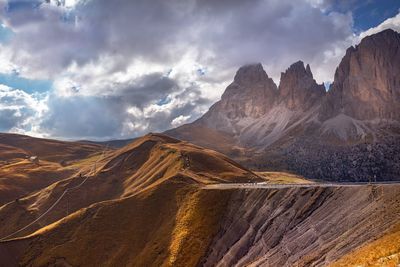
(20, 176)
(144, 197)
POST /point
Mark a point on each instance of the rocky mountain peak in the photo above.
(386, 37)
(251, 95)
(299, 70)
(308, 70)
(298, 89)
(250, 74)
(367, 81)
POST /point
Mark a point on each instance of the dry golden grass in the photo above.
(22, 177)
(283, 178)
(383, 252)
(19, 146)
(207, 137)
(197, 221)
(170, 225)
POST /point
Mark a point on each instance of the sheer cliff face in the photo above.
(367, 81)
(298, 89)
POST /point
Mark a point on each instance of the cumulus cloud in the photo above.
(390, 23)
(180, 120)
(21, 112)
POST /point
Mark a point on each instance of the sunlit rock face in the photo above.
(251, 94)
(367, 81)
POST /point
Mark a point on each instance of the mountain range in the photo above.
(348, 133)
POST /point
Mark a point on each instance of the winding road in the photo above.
(282, 186)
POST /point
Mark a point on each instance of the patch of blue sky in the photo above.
(168, 73)
(371, 13)
(5, 34)
(17, 5)
(68, 16)
(366, 13)
(164, 101)
(327, 85)
(201, 71)
(13, 80)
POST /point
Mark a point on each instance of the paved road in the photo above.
(280, 186)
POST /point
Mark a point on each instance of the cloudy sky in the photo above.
(101, 69)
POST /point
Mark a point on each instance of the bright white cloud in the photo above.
(21, 112)
(390, 23)
(180, 120)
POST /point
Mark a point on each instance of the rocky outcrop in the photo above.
(251, 95)
(299, 123)
(367, 81)
(298, 90)
(252, 106)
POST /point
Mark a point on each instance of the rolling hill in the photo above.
(20, 176)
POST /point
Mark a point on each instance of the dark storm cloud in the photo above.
(147, 29)
(8, 119)
(106, 117)
(147, 89)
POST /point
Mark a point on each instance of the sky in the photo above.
(100, 69)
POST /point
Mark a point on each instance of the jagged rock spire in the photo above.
(250, 74)
(298, 90)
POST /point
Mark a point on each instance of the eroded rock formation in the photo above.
(298, 90)
(299, 123)
(367, 81)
